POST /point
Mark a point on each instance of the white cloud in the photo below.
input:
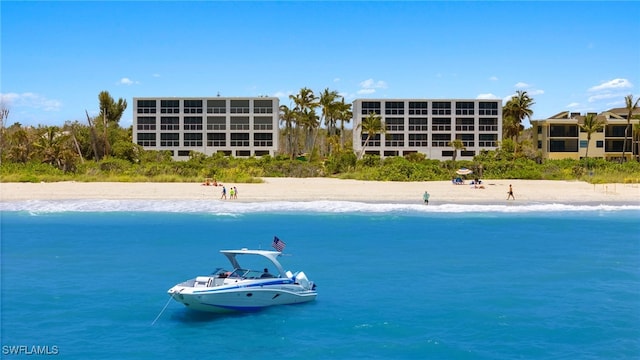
(599, 97)
(366, 91)
(493, 78)
(521, 85)
(156, 75)
(486, 96)
(336, 80)
(30, 100)
(573, 105)
(369, 86)
(612, 84)
(127, 81)
(535, 92)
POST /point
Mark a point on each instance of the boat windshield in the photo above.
(248, 274)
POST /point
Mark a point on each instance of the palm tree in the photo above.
(54, 147)
(516, 109)
(456, 144)
(590, 125)
(328, 104)
(288, 117)
(305, 104)
(371, 125)
(110, 113)
(631, 108)
(344, 114)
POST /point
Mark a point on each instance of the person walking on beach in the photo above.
(231, 193)
(425, 197)
(510, 193)
(224, 193)
(235, 192)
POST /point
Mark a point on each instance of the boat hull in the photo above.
(239, 299)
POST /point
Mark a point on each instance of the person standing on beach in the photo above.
(235, 192)
(510, 193)
(224, 193)
(425, 197)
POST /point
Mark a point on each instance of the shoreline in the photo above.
(329, 189)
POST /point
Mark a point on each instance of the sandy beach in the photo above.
(309, 189)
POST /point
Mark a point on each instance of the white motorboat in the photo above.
(243, 289)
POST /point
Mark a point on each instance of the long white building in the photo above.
(428, 126)
(237, 126)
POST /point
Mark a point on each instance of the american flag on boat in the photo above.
(278, 244)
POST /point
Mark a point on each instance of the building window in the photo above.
(440, 140)
(169, 106)
(192, 139)
(488, 124)
(394, 140)
(263, 107)
(239, 123)
(394, 108)
(567, 145)
(487, 108)
(465, 124)
(369, 107)
(374, 141)
(464, 108)
(418, 124)
(184, 152)
(216, 107)
(146, 139)
(192, 106)
(563, 131)
(487, 140)
(539, 144)
(239, 139)
(170, 139)
(394, 124)
(239, 107)
(470, 153)
(169, 123)
(539, 129)
(217, 139)
(441, 124)
(467, 139)
(216, 123)
(418, 140)
(262, 139)
(441, 108)
(418, 108)
(263, 123)
(146, 106)
(193, 123)
(600, 144)
(146, 123)
(615, 130)
(583, 144)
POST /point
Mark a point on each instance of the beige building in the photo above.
(560, 136)
(236, 126)
(428, 126)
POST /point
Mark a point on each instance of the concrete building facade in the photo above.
(236, 126)
(428, 126)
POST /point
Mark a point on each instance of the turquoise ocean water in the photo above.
(86, 279)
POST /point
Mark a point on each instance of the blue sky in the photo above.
(57, 56)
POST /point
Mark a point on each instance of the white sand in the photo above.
(306, 189)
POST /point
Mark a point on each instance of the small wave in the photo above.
(231, 208)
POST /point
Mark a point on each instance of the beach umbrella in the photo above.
(464, 171)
